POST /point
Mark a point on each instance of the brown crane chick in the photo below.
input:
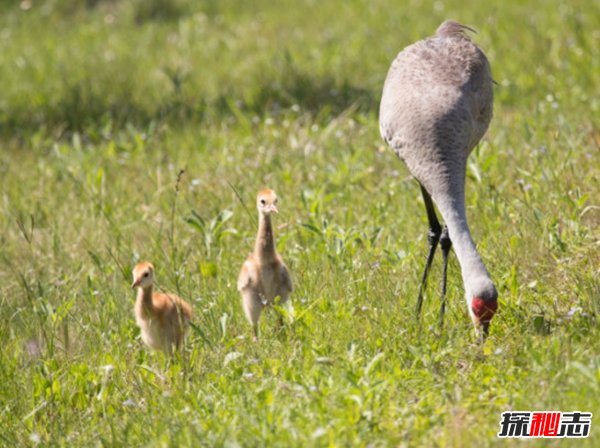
(163, 318)
(264, 275)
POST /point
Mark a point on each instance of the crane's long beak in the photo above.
(135, 283)
(485, 328)
(274, 208)
(483, 312)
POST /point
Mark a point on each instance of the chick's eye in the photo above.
(262, 202)
(146, 274)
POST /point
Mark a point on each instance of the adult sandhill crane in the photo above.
(162, 317)
(264, 276)
(436, 105)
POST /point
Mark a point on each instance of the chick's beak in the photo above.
(135, 283)
(274, 208)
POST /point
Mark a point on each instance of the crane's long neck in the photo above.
(476, 278)
(264, 247)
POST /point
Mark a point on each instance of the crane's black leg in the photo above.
(446, 245)
(433, 237)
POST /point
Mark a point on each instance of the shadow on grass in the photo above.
(84, 109)
(318, 96)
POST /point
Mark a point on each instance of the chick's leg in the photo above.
(252, 307)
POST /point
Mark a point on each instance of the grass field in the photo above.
(103, 103)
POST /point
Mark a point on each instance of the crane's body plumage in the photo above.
(436, 106)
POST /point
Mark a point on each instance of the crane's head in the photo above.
(143, 275)
(266, 202)
(483, 304)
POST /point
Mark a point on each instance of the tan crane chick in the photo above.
(264, 275)
(163, 318)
